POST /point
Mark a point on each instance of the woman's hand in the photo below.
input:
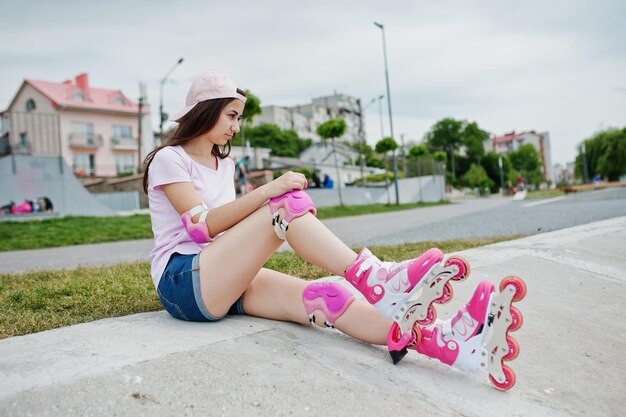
(287, 182)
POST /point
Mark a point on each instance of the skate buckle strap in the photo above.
(446, 328)
(366, 264)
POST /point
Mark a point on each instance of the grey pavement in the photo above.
(571, 361)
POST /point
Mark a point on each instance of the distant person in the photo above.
(597, 179)
(242, 170)
(41, 204)
(317, 183)
(520, 183)
(328, 182)
(210, 248)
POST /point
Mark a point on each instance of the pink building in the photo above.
(541, 141)
(95, 130)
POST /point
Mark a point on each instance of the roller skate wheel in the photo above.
(462, 266)
(447, 294)
(508, 381)
(517, 319)
(518, 284)
(431, 316)
(513, 346)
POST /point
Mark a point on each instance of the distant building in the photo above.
(541, 141)
(565, 174)
(94, 129)
(304, 119)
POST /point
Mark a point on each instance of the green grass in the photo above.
(68, 231)
(545, 194)
(339, 211)
(37, 301)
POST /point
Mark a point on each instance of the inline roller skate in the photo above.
(477, 336)
(406, 291)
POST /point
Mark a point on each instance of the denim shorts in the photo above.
(179, 290)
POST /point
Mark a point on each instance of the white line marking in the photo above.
(548, 201)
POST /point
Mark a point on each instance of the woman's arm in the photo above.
(184, 197)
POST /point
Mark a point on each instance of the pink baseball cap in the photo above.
(208, 86)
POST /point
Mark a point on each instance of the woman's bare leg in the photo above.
(278, 296)
(228, 265)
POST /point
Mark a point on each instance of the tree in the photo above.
(606, 154)
(251, 109)
(280, 142)
(492, 168)
(383, 147)
(473, 140)
(450, 135)
(526, 161)
(418, 151)
(446, 136)
(476, 176)
(333, 129)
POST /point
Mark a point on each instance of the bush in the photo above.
(308, 173)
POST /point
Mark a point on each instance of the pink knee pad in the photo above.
(296, 203)
(198, 232)
(330, 298)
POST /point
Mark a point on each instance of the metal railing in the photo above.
(82, 140)
(22, 148)
(131, 144)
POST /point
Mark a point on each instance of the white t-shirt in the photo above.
(215, 187)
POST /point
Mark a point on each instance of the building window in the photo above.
(30, 105)
(23, 140)
(78, 96)
(119, 100)
(122, 133)
(84, 130)
(124, 164)
(84, 164)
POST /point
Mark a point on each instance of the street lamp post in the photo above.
(362, 134)
(501, 175)
(162, 115)
(142, 97)
(395, 159)
(380, 115)
(585, 166)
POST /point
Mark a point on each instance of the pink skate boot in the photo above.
(406, 291)
(477, 336)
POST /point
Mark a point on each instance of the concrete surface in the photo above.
(49, 176)
(571, 361)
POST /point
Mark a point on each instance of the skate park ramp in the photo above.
(24, 177)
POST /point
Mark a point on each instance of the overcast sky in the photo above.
(556, 66)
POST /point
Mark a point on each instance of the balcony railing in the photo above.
(82, 140)
(130, 144)
(23, 149)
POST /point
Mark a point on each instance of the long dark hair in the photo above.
(198, 121)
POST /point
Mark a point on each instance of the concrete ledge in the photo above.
(150, 364)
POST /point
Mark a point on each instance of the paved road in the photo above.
(462, 220)
(516, 218)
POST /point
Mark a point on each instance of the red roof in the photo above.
(63, 95)
(509, 137)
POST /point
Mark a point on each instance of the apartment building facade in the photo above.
(541, 141)
(95, 130)
(304, 119)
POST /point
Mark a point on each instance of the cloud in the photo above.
(555, 66)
